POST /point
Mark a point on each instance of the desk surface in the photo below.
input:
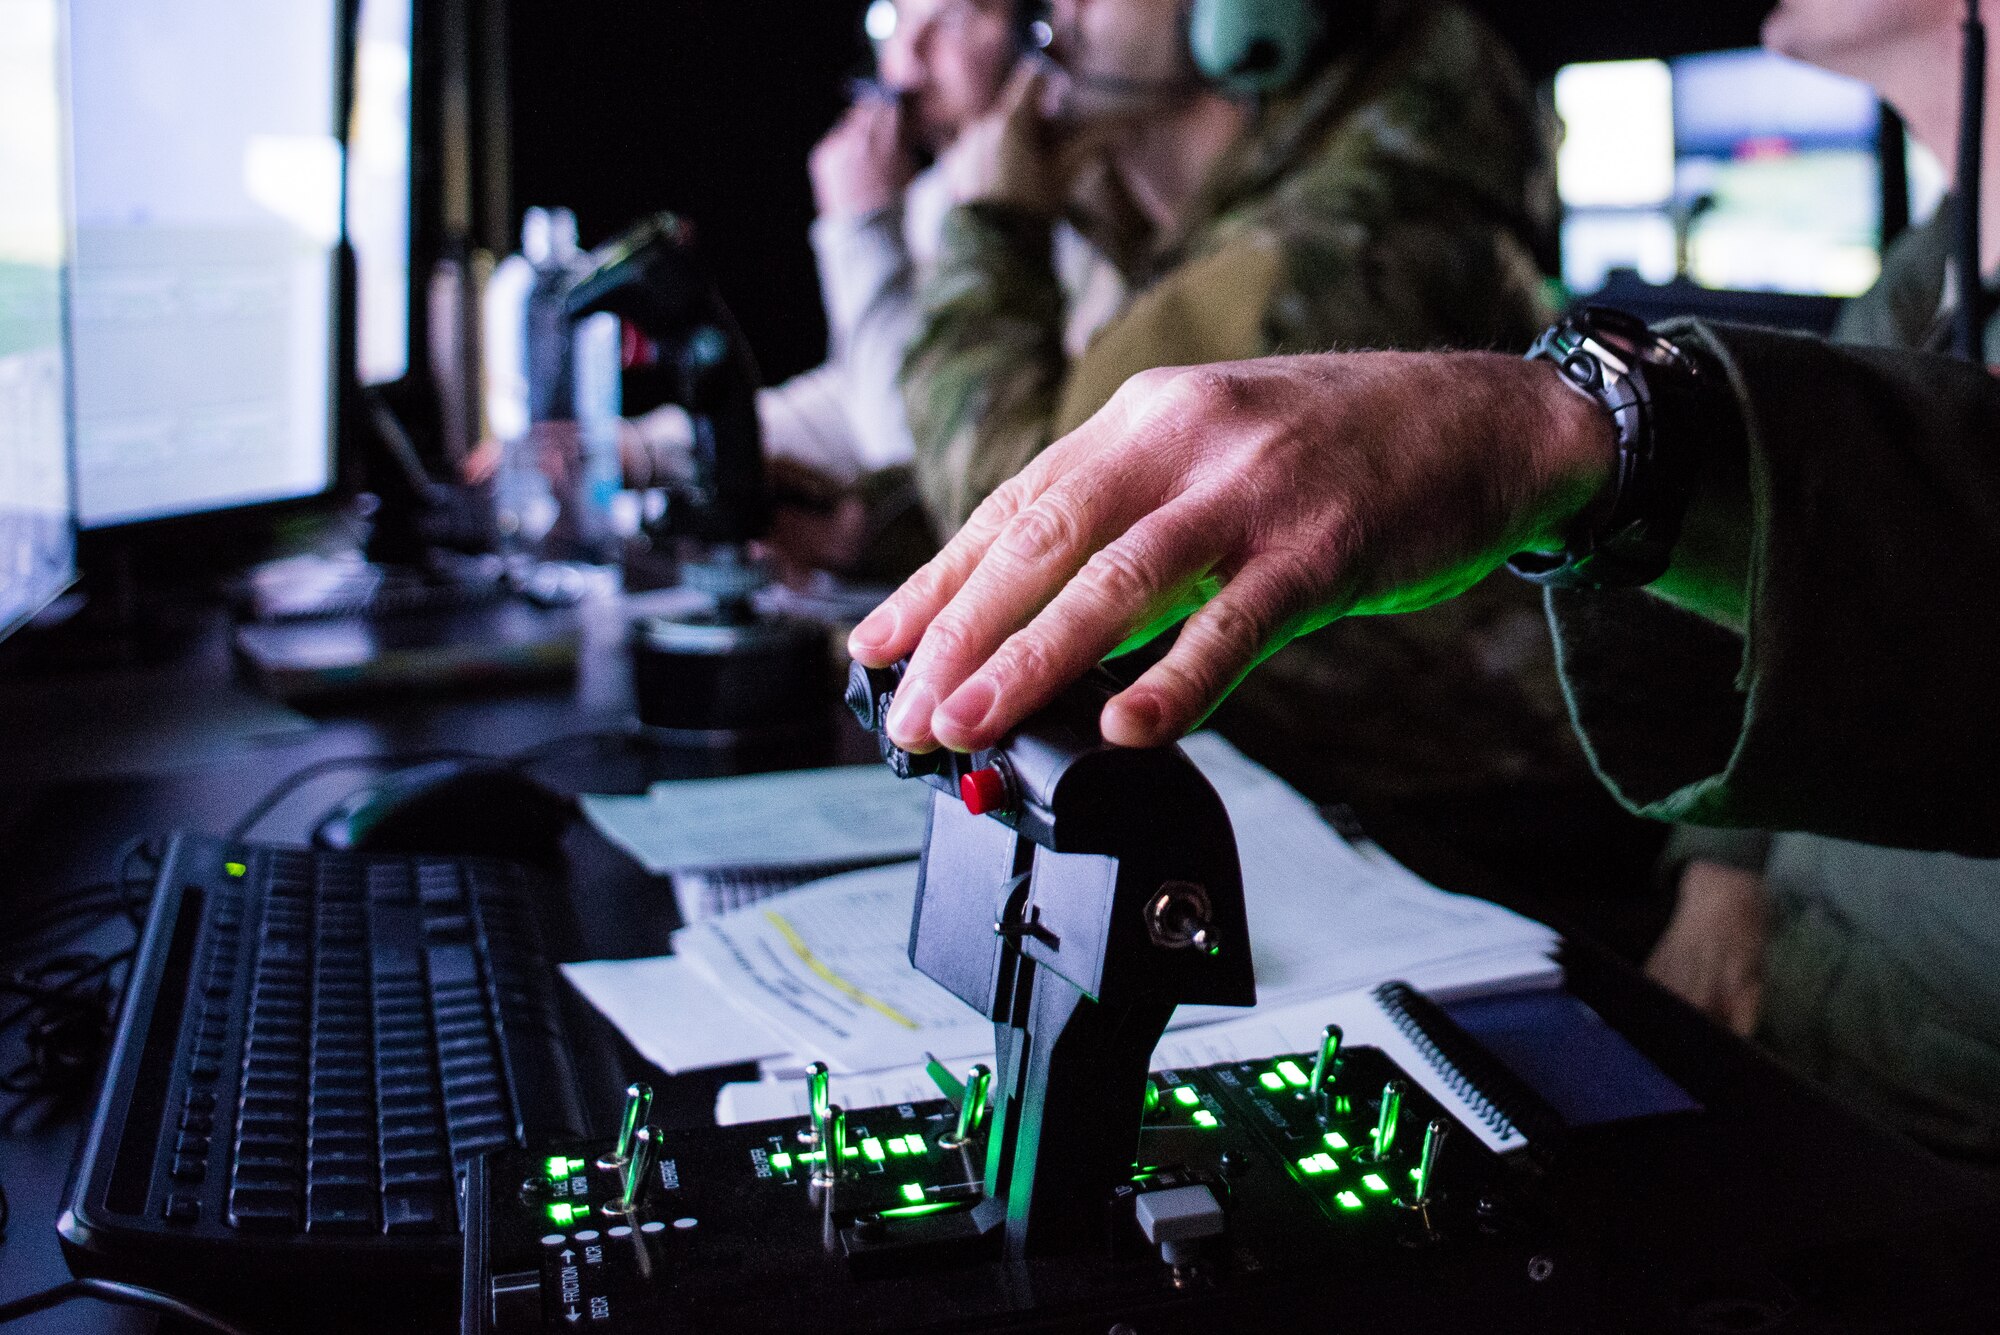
(58, 835)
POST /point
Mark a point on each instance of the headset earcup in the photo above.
(1254, 46)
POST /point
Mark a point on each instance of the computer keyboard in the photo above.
(311, 1047)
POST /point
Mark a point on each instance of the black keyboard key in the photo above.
(188, 1168)
(263, 1210)
(452, 966)
(340, 1208)
(416, 1212)
(182, 1208)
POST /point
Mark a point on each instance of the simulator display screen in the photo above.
(37, 539)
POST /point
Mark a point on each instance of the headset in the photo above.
(1238, 46)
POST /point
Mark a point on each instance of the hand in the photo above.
(1280, 493)
(1712, 953)
(863, 164)
(816, 523)
(1012, 156)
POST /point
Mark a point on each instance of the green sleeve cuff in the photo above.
(1859, 703)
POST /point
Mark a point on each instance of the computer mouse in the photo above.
(460, 808)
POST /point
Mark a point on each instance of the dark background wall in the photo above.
(621, 107)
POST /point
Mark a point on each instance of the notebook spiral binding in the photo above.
(1466, 1071)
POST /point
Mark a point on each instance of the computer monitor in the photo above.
(378, 188)
(1743, 170)
(1778, 161)
(207, 196)
(37, 531)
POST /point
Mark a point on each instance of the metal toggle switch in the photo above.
(637, 1172)
(638, 1107)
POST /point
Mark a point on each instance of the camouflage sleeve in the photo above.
(982, 376)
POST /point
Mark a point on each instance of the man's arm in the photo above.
(1860, 703)
(983, 374)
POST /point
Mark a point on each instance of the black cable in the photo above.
(124, 1295)
(1969, 338)
(298, 779)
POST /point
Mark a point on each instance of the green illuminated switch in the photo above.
(1334, 1140)
(1294, 1074)
(1374, 1182)
(1348, 1200)
(1204, 1118)
(913, 1193)
(1272, 1081)
(873, 1149)
(781, 1163)
(1185, 1096)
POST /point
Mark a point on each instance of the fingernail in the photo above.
(968, 707)
(910, 714)
(1138, 719)
(874, 631)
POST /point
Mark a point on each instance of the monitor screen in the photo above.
(1776, 162)
(37, 536)
(1747, 170)
(207, 196)
(378, 189)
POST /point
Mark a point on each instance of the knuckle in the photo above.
(1119, 576)
(946, 639)
(1234, 628)
(1208, 392)
(1045, 527)
(1027, 657)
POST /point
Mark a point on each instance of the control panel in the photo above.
(1255, 1182)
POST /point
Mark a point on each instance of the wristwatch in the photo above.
(1659, 397)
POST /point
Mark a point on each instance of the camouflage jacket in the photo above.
(1395, 200)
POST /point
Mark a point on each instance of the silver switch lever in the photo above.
(1385, 1124)
(638, 1107)
(832, 1147)
(1420, 1187)
(818, 1096)
(971, 1108)
(1328, 1060)
(638, 1171)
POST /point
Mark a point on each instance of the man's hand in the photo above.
(863, 164)
(1712, 953)
(1013, 156)
(1273, 496)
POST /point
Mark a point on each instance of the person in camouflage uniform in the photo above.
(1394, 198)
(1870, 969)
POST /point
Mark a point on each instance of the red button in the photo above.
(983, 790)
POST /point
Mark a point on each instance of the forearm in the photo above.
(982, 376)
(1857, 700)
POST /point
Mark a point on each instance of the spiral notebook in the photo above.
(1530, 1065)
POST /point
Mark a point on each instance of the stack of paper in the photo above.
(822, 973)
(731, 842)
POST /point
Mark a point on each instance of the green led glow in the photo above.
(897, 1145)
(1271, 1080)
(562, 1213)
(576, 1165)
(913, 1211)
(1311, 1166)
(849, 1152)
(1152, 1095)
(1294, 1077)
(781, 1163)
(916, 1144)
(1348, 1200)
(1334, 1140)
(557, 1168)
(1416, 1174)
(1374, 1182)
(873, 1149)
(1185, 1096)
(812, 1156)
(913, 1193)
(1204, 1118)
(1343, 1106)
(1326, 1162)
(236, 869)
